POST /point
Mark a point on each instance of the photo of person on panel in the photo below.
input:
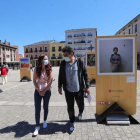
(116, 56)
(115, 60)
(90, 60)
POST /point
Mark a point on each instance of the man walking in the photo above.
(71, 74)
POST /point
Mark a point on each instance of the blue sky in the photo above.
(24, 22)
(26, 61)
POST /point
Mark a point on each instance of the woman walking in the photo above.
(4, 74)
(42, 80)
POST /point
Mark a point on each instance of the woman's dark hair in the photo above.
(115, 48)
(68, 49)
(39, 66)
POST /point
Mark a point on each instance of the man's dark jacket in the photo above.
(82, 75)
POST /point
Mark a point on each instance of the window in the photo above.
(124, 33)
(129, 31)
(7, 56)
(53, 49)
(59, 48)
(26, 55)
(89, 34)
(60, 54)
(53, 55)
(135, 28)
(45, 49)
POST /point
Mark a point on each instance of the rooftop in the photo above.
(128, 23)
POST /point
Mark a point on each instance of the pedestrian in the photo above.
(31, 67)
(72, 71)
(43, 76)
(4, 74)
(7, 68)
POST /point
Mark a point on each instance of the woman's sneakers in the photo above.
(36, 131)
(44, 124)
(80, 116)
(72, 125)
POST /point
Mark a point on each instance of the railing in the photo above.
(53, 57)
(36, 57)
(40, 50)
(53, 50)
(79, 35)
(25, 52)
(69, 42)
(79, 42)
(89, 34)
(59, 50)
(69, 36)
(31, 58)
(31, 51)
(89, 41)
(79, 48)
(60, 57)
(45, 50)
(36, 51)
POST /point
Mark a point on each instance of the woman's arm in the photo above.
(34, 80)
(49, 82)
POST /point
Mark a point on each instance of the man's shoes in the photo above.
(36, 131)
(80, 116)
(72, 126)
(44, 124)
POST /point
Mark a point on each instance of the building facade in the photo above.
(133, 27)
(56, 55)
(81, 40)
(8, 54)
(33, 51)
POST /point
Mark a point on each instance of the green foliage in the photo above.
(32, 62)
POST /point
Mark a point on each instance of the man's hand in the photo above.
(87, 90)
(60, 91)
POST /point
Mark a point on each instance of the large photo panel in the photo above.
(116, 56)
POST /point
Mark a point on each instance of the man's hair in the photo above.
(68, 49)
(115, 48)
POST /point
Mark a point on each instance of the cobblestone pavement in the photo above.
(17, 115)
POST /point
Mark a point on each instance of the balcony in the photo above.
(90, 48)
(53, 50)
(77, 42)
(31, 58)
(60, 57)
(69, 36)
(53, 57)
(59, 50)
(36, 51)
(89, 41)
(31, 51)
(79, 48)
(45, 50)
(25, 52)
(89, 34)
(79, 35)
(69, 42)
(40, 51)
(36, 57)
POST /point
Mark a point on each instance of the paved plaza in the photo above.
(17, 111)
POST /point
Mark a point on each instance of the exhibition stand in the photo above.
(90, 65)
(116, 79)
(25, 72)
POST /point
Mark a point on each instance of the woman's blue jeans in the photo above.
(37, 100)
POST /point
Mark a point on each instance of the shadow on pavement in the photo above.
(23, 128)
(83, 120)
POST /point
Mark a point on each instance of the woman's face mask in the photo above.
(46, 62)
